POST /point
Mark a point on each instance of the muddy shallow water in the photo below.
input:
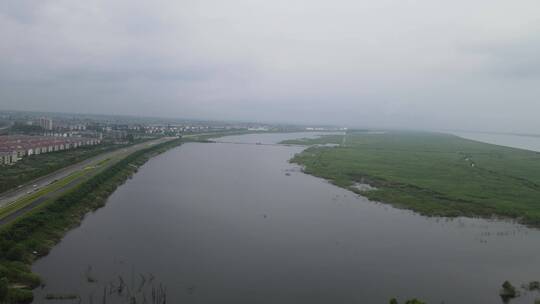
(230, 223)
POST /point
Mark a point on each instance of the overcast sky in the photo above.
(430, 64)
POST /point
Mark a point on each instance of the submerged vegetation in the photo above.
(508, 291)
(34, 234)
(433, 174)
(413, 301)
(143, 289)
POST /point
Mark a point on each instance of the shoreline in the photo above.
(423, 181)
(34, 234)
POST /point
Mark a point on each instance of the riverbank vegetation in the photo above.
(208, 137)
(433, 174)
(35, 233)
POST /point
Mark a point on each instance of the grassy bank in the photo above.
(34, 166)
(35, 233)
(207, 137)
(433, 174)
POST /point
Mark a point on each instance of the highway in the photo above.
(56, 183)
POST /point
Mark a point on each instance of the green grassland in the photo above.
(207, 137)
(433, 174)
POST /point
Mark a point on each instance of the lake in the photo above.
(516, 141)
(237, 223)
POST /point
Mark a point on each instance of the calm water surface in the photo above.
(516, 141)
(231, 223)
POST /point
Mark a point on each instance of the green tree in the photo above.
(3, 289)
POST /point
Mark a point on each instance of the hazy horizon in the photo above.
(431, 65)
(172, 119)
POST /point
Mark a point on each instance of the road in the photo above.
(63, 179)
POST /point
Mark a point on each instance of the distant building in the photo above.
(258, 129)
(13, 148)
(116, 136)
(8, 157)
(45, 123)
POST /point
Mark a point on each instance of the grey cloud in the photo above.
(151, 74)
(417, 64)
(23, 11)
(512, 58)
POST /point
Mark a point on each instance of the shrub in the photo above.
(508, 291)
(22, 296)
(16, 253)
(414, 301)
(3, 289)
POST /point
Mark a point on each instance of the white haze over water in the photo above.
(430, 64)
(509, 140)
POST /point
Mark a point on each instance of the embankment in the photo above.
(34, 234)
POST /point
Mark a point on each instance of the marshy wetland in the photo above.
(230, 223)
